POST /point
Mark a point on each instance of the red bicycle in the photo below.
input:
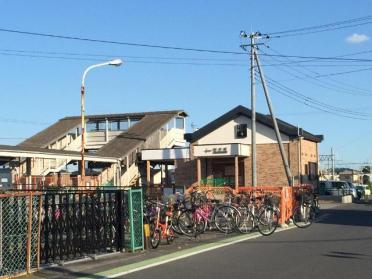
(161, 228)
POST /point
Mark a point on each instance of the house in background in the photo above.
(220, 152)
(351, 175)
(113, 145)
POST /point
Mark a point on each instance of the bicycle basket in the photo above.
(272, 200)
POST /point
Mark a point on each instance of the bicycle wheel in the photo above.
(186, 223)
(170, 235)
(226, 218)
(303, 216)
(175, 226)
(245, 223)
(268, 220)
(155, 237)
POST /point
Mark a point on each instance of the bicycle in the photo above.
(207, 214)
(304, 214)
(258, 213)
(161, 227)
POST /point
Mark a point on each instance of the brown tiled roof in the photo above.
(51, 134)
(112, 116)
(136, 135)
(64, 125)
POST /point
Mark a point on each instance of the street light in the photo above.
(116, 63)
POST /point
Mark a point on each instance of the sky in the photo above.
(40, 76)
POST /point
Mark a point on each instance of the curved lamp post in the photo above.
(116, 62)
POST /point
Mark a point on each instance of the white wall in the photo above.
(226, 133)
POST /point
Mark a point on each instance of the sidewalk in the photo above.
(100, 266)
(88, 266)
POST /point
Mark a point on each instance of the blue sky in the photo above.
(37, 91)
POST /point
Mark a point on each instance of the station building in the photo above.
(220, 152)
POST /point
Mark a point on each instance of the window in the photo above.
(180, 124)
(123, 125)
(313, 170)
(241, 131)
(91, 126)
(101, 125)
(114, 125)
(133, 122)
(171, 124)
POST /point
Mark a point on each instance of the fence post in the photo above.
(120, 219)
(283, 206)
(39, 231)
(29, 235)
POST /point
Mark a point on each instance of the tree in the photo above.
(366, 169)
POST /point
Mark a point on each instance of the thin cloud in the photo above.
(357, 38)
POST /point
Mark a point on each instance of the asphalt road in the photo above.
(339, 245)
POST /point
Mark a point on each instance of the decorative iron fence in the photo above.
(76, 223)
(19, 233)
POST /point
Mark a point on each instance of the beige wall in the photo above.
(226, 133)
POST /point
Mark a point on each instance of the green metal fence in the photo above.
(134, 229)
(226, 181)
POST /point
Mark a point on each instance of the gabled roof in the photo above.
(64, 125)
(51, 133)
(284, 127)
(124, 143)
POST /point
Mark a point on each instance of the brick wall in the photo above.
(309, 154)
(270, 169)
(185, 172)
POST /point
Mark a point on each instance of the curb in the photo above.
(174, 256)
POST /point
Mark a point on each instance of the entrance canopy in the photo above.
(165, 154)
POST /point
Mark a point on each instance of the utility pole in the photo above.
(252, 45)
(276, 128)
(255, 60)
(253, 118)
(333, 164)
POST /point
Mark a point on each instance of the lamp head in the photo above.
(243, 34)
(115, 62)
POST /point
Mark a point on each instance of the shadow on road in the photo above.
(347, 217)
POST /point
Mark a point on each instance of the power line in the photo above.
(127, 61)
(313, 103)
(331, 81)
(19, 121)
(91, 40)
(317, 57)
(321, 83)
(346, 72)
(322, 28)
(116, 55)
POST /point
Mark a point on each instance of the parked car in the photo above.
(353, 191)
(338, 188)
(360, 190)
